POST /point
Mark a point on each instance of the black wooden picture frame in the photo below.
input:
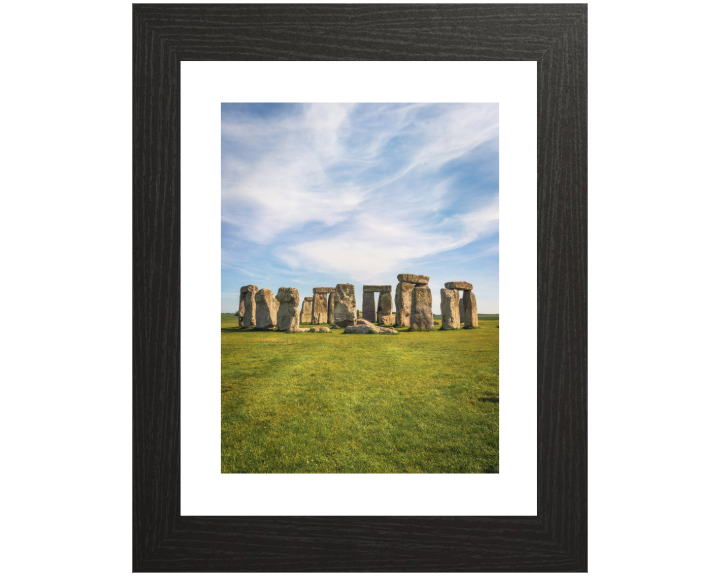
(554, 35)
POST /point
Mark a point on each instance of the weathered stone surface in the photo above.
(418, 279)
(471, 319)
(388, 320)
(319, 308)
(246, 289)
(421, 316)
(320, 329)
(289, 296)
(306, 312)
(363, 322)
(450, 309)
(288, 317)
(265, 310)
(331, 308)
(364, 329)
(403, 303)
(377, 288)
(241, 310)
(249, 316)
(288, 314)
(344, 305)
(368, 307)
(385, 303)
(462, 310)
(323, 290)
(456, 285)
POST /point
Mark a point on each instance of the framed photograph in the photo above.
(369, 187)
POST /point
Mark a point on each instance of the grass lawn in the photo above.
(318, 402)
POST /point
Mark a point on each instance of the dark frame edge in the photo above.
(553, 541)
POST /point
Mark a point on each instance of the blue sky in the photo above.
(321, 194)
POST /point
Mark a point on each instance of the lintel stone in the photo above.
(456, 285)
(381, 289)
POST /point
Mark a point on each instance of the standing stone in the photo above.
(265, 309)
(471, 319)
(288, 316)
(462, 310)
(249, 317)
(368, 308)
(306, 312)
(319, 308)
(345, 307)
(403, 303)
(385, 303)
(421, 316)
(331, 307)
(241, 309)
(450, 309)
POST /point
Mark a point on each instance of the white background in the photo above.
(205, 491)
(65, 226)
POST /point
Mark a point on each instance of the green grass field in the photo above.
(317, 402)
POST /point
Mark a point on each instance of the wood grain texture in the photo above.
(554, 35)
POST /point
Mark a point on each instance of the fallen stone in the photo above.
(471, 319)
(378, 288)
(388, 320)
(450, 308)
(458, 285)
(421, 316)
(414, 279)
(265, 310)
(288, 314)
(344, 306)
(363, 322)
(403, 303)
(306, 310)
(249, 315)
(363, 329)
(319, 329)
(368, 307)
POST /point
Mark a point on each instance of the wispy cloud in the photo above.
(358, 192)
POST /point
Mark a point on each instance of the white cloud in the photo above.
(365, 180)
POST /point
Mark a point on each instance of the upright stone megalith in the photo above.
(369, 312)
(421, 316)
(320, 305)
(403, 303)
(249, 316)
(306, 312)
(385, 303)
(368, 307)
(241, 309)
(331, 307)
(471, 319)
(265, 309)
(450, 309)
(345, 306)
(288, 316)
(404, 295)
